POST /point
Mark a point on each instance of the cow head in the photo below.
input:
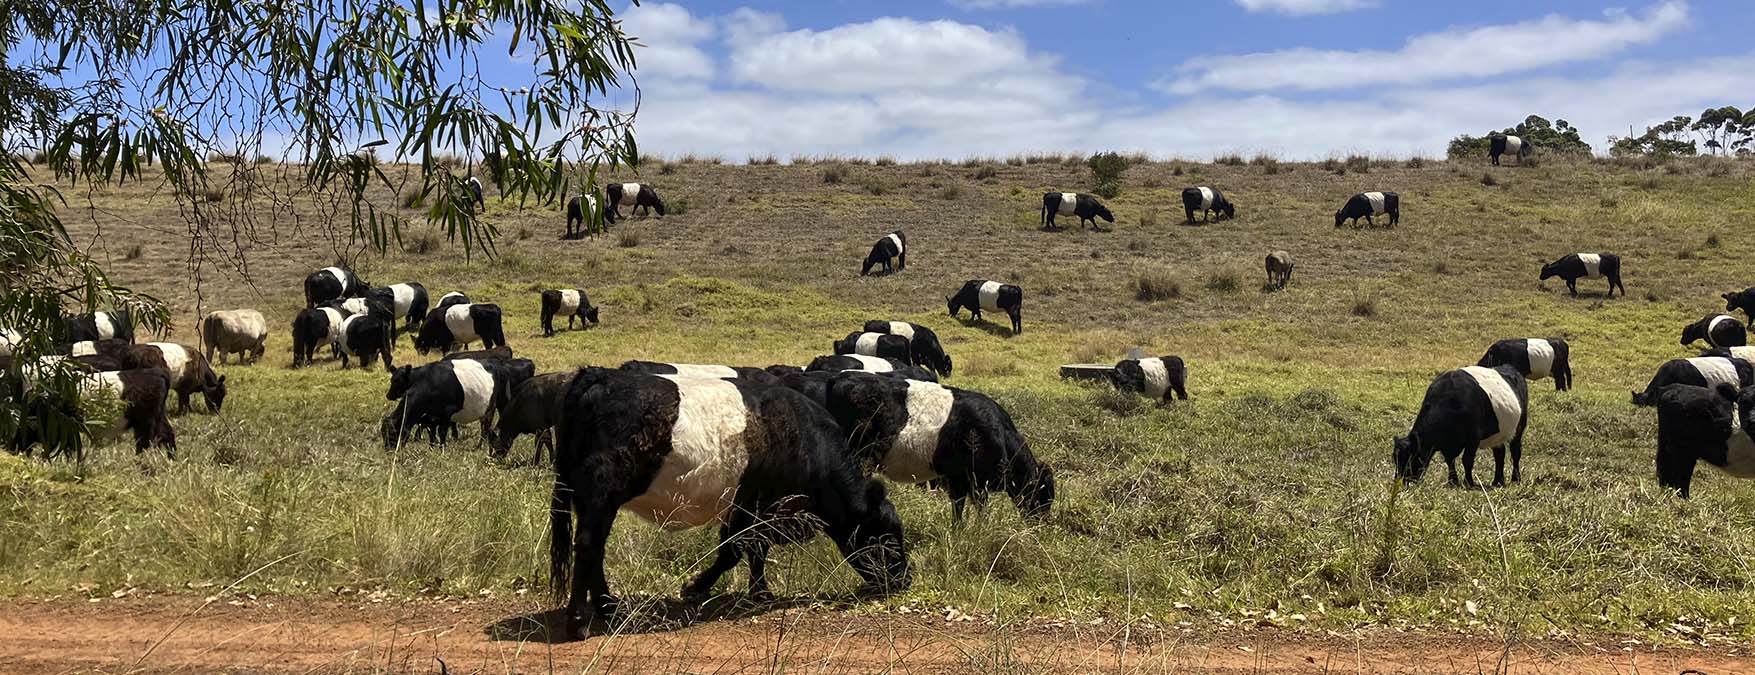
(1550, 270)
(939, 363)
(1736, 300)
(1696, 332)
(657, 204)
(1104, 213)
(874, 547)
(213, 391)
(1340, 217)
(591, 315)
(1032, 488)
(1230, 210)
(951, 305)
(400, 378)
(1410, 458)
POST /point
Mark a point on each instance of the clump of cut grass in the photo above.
(1364, 303)
(950, 192)
(886, 160)
(834, 174)
(1155, 285)
(134, 252)
(1149, 219)
(874, 185)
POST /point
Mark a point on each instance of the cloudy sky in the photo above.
(1297, 78)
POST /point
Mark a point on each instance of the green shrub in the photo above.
(1106, 169)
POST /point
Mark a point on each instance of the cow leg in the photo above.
(548, 324)
(1450, 461)
(546, 437)
(1517, 459)
(957, 487)
(1189, 212)
(1572, 287)
(1498, 466)
(1468, 459)
(1368, 221)
(756, 550)
(589, 584)
(183, 402)
(1017, 320)
(698, 589)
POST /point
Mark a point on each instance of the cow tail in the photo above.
(560, 536)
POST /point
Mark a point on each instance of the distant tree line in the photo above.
(1718, 131)
(1557, 137)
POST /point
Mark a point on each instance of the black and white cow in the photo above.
(1159, 377)
(913, 432)
(923, 344)
(1534, 358)
(100, 326)
(1086, 207)
(235, 331)
(893, 246)
(758, 375)
(190, 372)
(1743, 300)
(760, 461)
(367, 337)
(1368, 204)
(1501, 144)
(1207, 202)
(1700, 371)
(441, 395)
(636, 195)
(1279, 269)
(144, 393)
(314, 328)
(981, 294)
(407, 302)
(870, 364)
(473, 193)
(332, 283)
(1704, 424)
(569, 302)
(882, 345)
(582, 209)
(456, 326)
(1575, 266)
(533, 408)
(1719, 331)
(447, 300)
(1465, 410)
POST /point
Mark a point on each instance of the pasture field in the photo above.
(1267, 498)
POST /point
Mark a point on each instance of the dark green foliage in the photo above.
(1557, 137)
(1106, 170)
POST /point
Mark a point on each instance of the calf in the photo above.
(893, 246)
(881, 345)
(1700, 423)
(637, 195)
(1534, 358)
(459, 325)
(367, 337)
(1085, 206)
(1368, 204)
(1279, 269)
(571, 302)
(330, 284)
(1575, 266)
(1207, 201)
(534, 407)
(1464, 410)
(757, 375)
(981, 294)
(581, 210)
(190, 372)
(100, 326)
(1700, 371)
(923, 344)
(407, 302)
(761, 461)
(1743, 300)
(870, 364)
(313, 328)
(473, 193)
(443, 394)
(235, 331)
(1719, 331)
(1502, 144)
(1157, 378)
(143, 393)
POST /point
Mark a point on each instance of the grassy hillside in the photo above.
(1269, 491)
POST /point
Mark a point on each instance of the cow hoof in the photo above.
(695, 597)
(761, 597)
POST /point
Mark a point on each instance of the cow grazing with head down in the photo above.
(1279, 269)
(569, 302)
(1207, 202)
(458, 325)
(143, 393)
(923, 344)
(870, 364)
(333, 283)
(1704, 424)
(893, 246)
(367, 337)
(1087, 207)
(1501, 144)
(762, 462)
(1368, 204)
(100, 326)
(881, 345)
(407, 303)
(1700, 371)
(636, 195)
(581, 210)
(235, 331)
(1719, 331)
(1534, 358)
(981, 294)
(758, 375)
(1465, 410)
(1575, 266)
(190, 372)
(1159, 378)
(314, 328)
(441, 395)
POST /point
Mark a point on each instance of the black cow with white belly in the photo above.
(893, 246)
(1087, 207)
(581, 210)
(1465, 410)
(1698, 424)
(1700, 371)
(1719, 331)
(761, 462)
(981, 294)
(100, 326)
(441, 395)
(1369, 204)
(456, 326)
(367, 337)
(1575, 266)
(757, 375)
(572, 303)
(870, 364)
(1534, 358)
(407, 303)
(882, 345)
(1515, 146)
(332, 283)
(314, 328)
(1208, 202)
(635, 195)
(1159, 377)
(923, 344)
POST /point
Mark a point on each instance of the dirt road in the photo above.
(186, 634)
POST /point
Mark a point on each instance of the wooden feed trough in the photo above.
(1093, 372)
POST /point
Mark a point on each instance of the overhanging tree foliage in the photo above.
(1557, 137)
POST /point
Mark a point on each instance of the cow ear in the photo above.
(1726, 296)
(875, 494)
(222, 379)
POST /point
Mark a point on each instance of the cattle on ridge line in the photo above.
(892, 246)
(1700, 371)
(1279, 269)
(116, 325)
(234, 331)
(981, 294)
(454, 327)
(1087, 207)
(1207, 201)
(1575, 266)
(1501, 144)
(333, 283)
(1534, 358)
(1464, 410)
(1703, 424)
(1368, 204)
(882, 345)
(572, 303)
(407, 303)
(1718, 331)
(1160, 377)
(923, 344)
(643, 197)
(870, 364)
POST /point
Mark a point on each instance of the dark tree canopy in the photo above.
(1557, 137)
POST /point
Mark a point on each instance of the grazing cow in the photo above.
(1085, 206)
(313, 328)
(441, 395)
(100, 326)
(459, 325)
(190, 372)
(922, 344)
(407, 302)
(571, 302)
(637, 195)
(235, 331)
(534, 407)
(1157, 378)
(447, 300)
(1368, 204)
(758, 375)
(1208, 201)
(1501, 144)
(1534, 358)
(1279, 269)
(368, 306)
(367, 337)
(1700, 423)
(761, 461)
(332, 283)
(1575, 266)
(1700, 371)
(143, 393)
(893, 246)
(1720, 331)
(1464, 410)
(914, 432)
(870, 364)
(580, 209)
(981, 294)
(1743, 300)
(501, 352)
(472, 186)
(881, 345)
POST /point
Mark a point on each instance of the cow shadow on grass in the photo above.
(1003, 330)
(653, 615)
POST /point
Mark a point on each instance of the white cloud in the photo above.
(1476, 52)
(670, 36)
(1305, 7)
(1006, 4)
(882, 55)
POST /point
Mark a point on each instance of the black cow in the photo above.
(1279, 269)
(1368, 204)
(1699, 423)
(1500, 144)
(580, 209)
(441, 395)
(473, 192)
(1086, 207)
(1575, 266)
(1159, 377)
(1534, 358)
(1464, 410)
(144, 393)
(367, 337)
(1700, 371)
(923, 344)
(332, 283)
(407, 302)
(758, 375)
(1719, 331)
(189, 370)
(1743, 300)
(870, 364)
(571, 302)
(882, 345)
(458, 325)
(1208, 202)
(313, 328)
(533, 408)
(447, 300)
(893, 246)
(685, 452)
(644, 197)
(981, 294)
(100, 326)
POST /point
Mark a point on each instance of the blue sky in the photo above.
(1298, 78)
